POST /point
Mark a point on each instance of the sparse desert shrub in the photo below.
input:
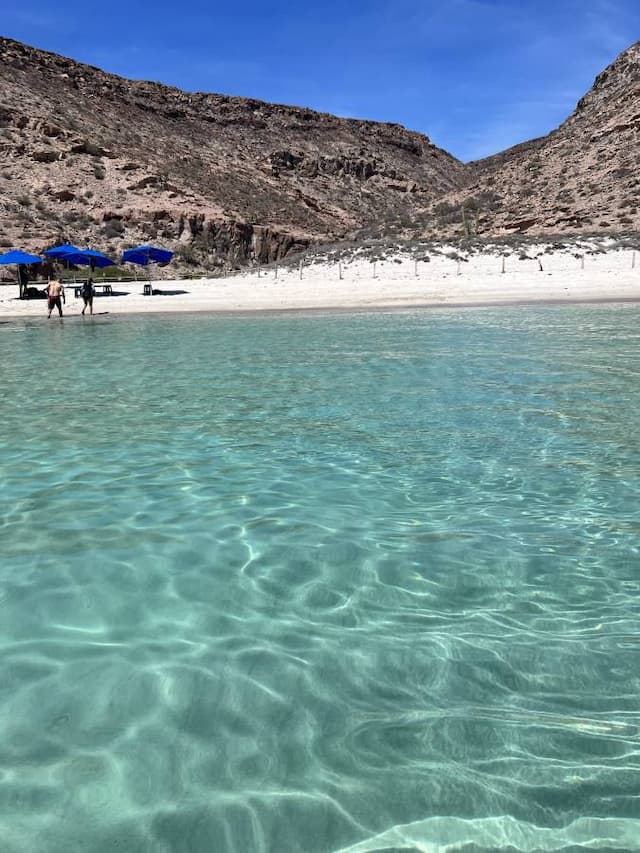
(88, 148)
(80, 219)
(447, 214)
(188, 255)
(113, 228)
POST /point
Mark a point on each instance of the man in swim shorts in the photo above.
(87, 295)
(55, 292)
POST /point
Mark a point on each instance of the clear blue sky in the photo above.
(474, 75)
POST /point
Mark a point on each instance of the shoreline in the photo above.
(326, 309)
(609, 277)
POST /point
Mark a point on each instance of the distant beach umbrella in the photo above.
(145, 255)
(61, 251)
(87, 258)
(15, 256)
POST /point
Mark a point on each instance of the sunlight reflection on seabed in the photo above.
(442, 834)
(329, 583)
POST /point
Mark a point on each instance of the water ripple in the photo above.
(330, 583)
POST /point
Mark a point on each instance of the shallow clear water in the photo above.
(310, 583)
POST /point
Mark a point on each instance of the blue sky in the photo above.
(474, 75)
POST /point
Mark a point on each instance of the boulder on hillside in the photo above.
(46, 156)
(92, 150)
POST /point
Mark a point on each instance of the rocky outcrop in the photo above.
(583, 176)
(233, 243)
(354, 165)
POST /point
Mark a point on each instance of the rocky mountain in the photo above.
(582, 177)
(92, 158)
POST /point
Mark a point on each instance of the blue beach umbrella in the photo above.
(61, 251)
(87, 258)
(15, 256)
(145, 255)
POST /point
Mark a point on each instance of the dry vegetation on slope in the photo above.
(93, 158)
(583, 177)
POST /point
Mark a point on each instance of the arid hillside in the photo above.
(92, 158)
(582, 178)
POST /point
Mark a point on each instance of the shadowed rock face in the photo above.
(582, 177)
(89, 157)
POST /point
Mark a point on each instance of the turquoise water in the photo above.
(321, 583)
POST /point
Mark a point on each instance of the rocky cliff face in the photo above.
(92, 158)
(583, 177)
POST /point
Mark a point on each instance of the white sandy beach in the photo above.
(396, 282)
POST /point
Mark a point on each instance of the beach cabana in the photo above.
(15, 256)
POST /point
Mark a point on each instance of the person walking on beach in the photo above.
(55, 292)
(23, 281)
(87, 295)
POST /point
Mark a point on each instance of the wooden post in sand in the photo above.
(503, 265)
(375, 274)
(258, 270)
(633, 260)
(582, 262)
(340, 270)
(275, 272)
(415, 268)
(300, 267)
